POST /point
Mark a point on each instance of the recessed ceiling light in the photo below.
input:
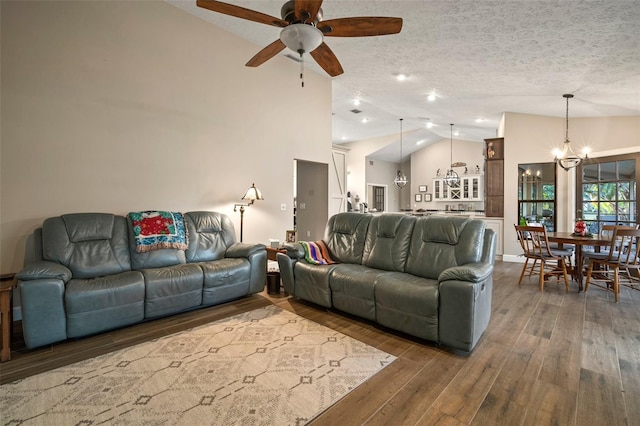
(420, 142)
(457, 133)
(479, 120)
(429, 125)
(365, 120)
(401, 77)
(344, 138)
(356, 102)
(431, 97)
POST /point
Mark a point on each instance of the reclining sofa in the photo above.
(87, 277)
(430, 277)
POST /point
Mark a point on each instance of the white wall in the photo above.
(357, 161)
(382, 173)
(123, 106)
(426, 162)
(531, 139)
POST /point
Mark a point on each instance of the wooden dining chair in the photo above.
(546, 263)
(620, 265)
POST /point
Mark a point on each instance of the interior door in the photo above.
(338, 181)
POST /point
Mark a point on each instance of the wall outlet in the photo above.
(283, 206)
(308, 233)
(303, 206)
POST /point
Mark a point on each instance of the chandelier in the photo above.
(401, 179)
(567, 158)
(451, 178)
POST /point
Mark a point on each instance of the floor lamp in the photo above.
(252, 195)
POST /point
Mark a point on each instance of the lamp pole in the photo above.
(242, 206)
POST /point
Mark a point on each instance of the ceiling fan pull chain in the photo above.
(301, 67)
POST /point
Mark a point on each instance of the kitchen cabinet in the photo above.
(494, 177)
(470, 188)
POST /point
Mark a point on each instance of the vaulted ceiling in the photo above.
(480, 58)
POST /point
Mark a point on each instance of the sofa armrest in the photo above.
(472, 272)
(44, 270)
(286, 265)
(256, 255)
(244, 249)
(295, 251)
(44, 319)
(465, 305)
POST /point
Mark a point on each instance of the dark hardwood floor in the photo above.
(551, 358)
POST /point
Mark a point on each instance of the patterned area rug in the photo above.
(264, 367)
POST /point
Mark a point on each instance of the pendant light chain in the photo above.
(451, 143)
(401, 180)
(401, 143)
(566, 136)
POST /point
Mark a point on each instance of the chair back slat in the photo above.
(533, 240)
(627, 245)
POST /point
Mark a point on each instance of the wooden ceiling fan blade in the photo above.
(241, 12)
(306, 10)
(360, 27)
(327, 60)
(267, 53)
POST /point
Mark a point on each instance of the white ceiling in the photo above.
(480, 58)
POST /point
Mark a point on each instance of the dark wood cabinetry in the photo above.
(494, 177)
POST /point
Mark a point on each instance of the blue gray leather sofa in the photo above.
(430, 277)
(86, 276)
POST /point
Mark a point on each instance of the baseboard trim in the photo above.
(515, 258)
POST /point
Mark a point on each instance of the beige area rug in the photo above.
(264, 367)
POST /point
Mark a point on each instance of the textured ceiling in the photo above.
(480, 58)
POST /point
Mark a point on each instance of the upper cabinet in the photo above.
(494, 177)
(468, 189)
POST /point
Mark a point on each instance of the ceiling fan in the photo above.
(303, 30)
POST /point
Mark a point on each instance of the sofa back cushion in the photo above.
(210, 234)
(345, 236)
(89, 244)
(387, 243)
(158, 258)
(440, 242)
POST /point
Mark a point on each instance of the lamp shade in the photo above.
(252, 194)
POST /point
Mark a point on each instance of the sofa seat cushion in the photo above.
(352, 289)
(225, 279)
(408, 303)
(312, 282)
(103, 303)
(172, 289)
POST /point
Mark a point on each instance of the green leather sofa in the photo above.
(430, 277)
(84, 276)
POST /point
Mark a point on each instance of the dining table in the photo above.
(579, 242)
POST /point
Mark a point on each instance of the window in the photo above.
(608, 191)
(537, 194)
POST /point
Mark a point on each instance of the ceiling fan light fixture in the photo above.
(301, 38)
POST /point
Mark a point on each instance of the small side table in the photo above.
(7, 285)
(273, 277)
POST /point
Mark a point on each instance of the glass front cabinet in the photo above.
(468, 189)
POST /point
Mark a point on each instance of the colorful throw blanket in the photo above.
(316, 253)
(154, 230)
